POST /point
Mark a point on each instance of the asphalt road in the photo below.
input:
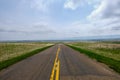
(73, 66)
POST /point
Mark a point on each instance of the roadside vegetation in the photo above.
(105, 52)
(11, 53)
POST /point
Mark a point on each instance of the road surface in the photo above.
(72, 66)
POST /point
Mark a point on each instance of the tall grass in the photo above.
(6, 63)
(11, 53)
(105, 52)
(10, 50)
(111, 50)
(114, 64)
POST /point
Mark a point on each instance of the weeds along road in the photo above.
(58, 63)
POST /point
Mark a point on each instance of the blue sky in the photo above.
(58, 19)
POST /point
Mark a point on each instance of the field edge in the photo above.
(114, 64)
(9, 62)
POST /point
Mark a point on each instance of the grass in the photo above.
(111, 50)
(10, 50)
(99, 54)
(27, 50)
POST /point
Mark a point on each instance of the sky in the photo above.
(58, 19)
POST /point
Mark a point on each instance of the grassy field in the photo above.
(111, 50)
(13, 52)
(106, 52)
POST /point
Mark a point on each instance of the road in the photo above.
(72, 66)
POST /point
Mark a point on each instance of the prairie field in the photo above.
(11, 50)
(105, 52)
(107, 49)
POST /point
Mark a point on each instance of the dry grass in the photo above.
(11, 50)
(111, 50)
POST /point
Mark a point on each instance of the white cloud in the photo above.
(42, 5)
(106, 17)
(106, 9)
(37, 31)
(103, 20)
(33, 29)
(74, 4)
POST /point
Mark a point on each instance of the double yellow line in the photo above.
(56, 67)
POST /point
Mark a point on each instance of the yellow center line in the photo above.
(56, 67)
(57, 71)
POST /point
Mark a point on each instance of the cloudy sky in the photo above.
(58, 19)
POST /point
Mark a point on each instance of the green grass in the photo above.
(114, 64)
(111, 50)
(6, 63)
(10, 50)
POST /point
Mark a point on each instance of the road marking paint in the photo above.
(58, 70)
(56, 67)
